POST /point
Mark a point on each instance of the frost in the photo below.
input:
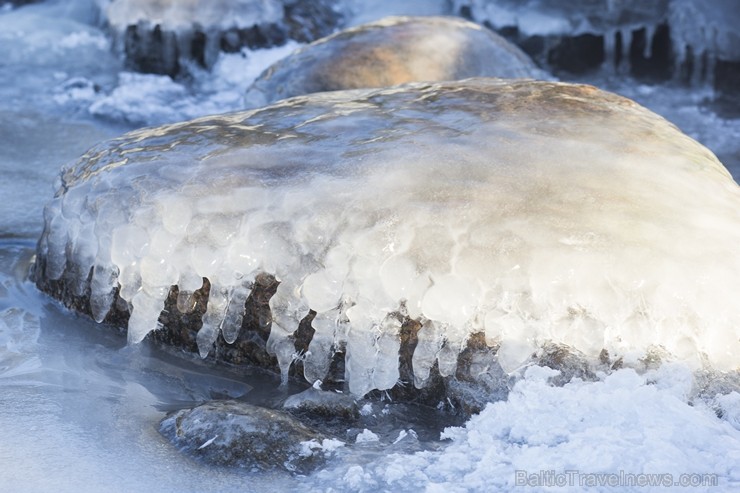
(532, 212)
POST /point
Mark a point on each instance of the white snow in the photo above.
(149, 99)
(185, 14)
(366, 436)
(326, 446)
(622, 427)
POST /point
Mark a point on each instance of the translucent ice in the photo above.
(531, 212)
(391, 51)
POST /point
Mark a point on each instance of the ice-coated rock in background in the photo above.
(392, 51)
(688, 39)
(408, 228)
(161, 36)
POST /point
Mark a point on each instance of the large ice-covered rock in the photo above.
(410, 229)
(160, 36)
(392, 51)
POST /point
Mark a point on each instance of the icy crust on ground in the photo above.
(529, 211)
(392, 51)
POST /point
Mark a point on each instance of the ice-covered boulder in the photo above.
(164, 35)
(416, 234)
(392, 51)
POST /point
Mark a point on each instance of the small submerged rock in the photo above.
(237, 434)
(322, 403)
(393, 51)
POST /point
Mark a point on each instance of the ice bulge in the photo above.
(517, 212)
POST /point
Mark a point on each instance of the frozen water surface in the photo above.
(79, 408)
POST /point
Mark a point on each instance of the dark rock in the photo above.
(236, 434)
(324, 404)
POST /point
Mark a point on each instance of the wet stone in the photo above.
(236, 434)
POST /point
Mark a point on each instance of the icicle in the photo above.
(698, 67)
(372, 353)
(318, 359)
(625, 65)
(218, 301)
(287, 311)
(102, 290)
(610, 49)
(649, 36)
(387, 344)
(710, 63)
(56, 260)
(145, 311)
(232, 322)
(430, 341)
(447, 357)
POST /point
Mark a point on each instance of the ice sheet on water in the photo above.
(19, 332)
(529, 211)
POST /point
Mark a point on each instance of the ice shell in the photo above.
(533, 211)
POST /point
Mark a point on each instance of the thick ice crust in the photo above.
(516, 213)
